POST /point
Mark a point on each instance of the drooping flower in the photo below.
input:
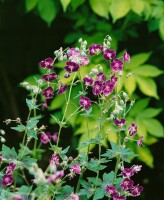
(62, 89)
(88, 81)
(74, 196)
(120, 122)
(10, 168)
(97, 88)
(117, 197)
(76, 169)
(116, 65)
(47, 63)
(48, 92)
(126, 57)
(113, 80)
(136, 190)
(49, 77)
(71, 67)
(109, 54)
(7, 179)
(44, 104)
(100, 77)
(45, 138)
(126, 184)
(85, 102)
(128, 172)
(139, 142)
(132, 129)
(95, 49)
(108, 88)
(54, 160)
(111, 189)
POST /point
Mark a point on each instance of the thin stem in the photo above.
(68, 100)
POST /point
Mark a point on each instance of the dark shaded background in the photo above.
(25, 40)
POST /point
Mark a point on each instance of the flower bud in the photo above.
(2, 132)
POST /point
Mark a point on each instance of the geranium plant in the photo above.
(68, 177)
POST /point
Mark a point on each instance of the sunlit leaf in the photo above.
(147, 86)
(137, 6)
(161, 27)
(130, 85)
(65, 4)
(149, 113)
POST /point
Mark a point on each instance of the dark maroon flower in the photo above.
(54, 160)
(95, 49)
(84, 61)
(136, 190)
(100, 77)
(108, 88)
(47, 63)
(120, 122)
(116, 197)
(71, 67)
(7, 179)
(139, 142)
(17, 197)
(126, 57)
(49, 77)
(88, 81)
(126, 184)
(113, 80)
(97, 88)
(66, 75)
(73, 52)
(128, 172)
(76, 169)
(116, 65)
(85, 102)
(45, 137)
(48, 92)
(62, 89)
(109, 54)
(10, 168)
(132, 129)
(111, 189)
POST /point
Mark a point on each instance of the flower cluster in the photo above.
(8, 178)
(47, 137)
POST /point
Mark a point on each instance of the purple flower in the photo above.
(136, 190)
(47, 63)
(10, 168)
(7, 179)
(73, 52)
(74, 196)
(108, 88)
(49, 77)
(95, 49)
(76, 169)
(48, 92)
(116, 197)
(126, 184)
(109, 54)
(137, 168)
(120, 122)
(1, 158)
(113, 80)
(128, 172)
(97, 88)
(84, 61)
(126, 57)
(116, 65)
(17, 197)
(71, 67)
(100, 77)
(88, 81)
(44, 104)
(139, 142)
(55, 136)
(132, 129)
(62, 89)
(58, 175)
(111, 189)
(54, 160)
(85, 102)
(45, 137)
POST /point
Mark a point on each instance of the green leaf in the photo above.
(27, 161)
(137, 6)
(57, 102)
(8, 153)
(137, 60)
(144, 154)
(147, 86)
(139, 106)
(47, 10)
(149, 113)
(154, 127)
(31, 104)
(65, 4)
(99, 194)
(119, 9)
(130, 85)
(101, 8)
(153, 24)
(19, 128)
(161, 27)
(108, 178)
(24, 190)
(147, 71)
(32, 133)
(75, 4)
(30, 4)
(32, 123)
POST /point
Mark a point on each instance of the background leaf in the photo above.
(30, 4)
(65, 4)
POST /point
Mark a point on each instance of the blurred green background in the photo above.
(30, 30)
